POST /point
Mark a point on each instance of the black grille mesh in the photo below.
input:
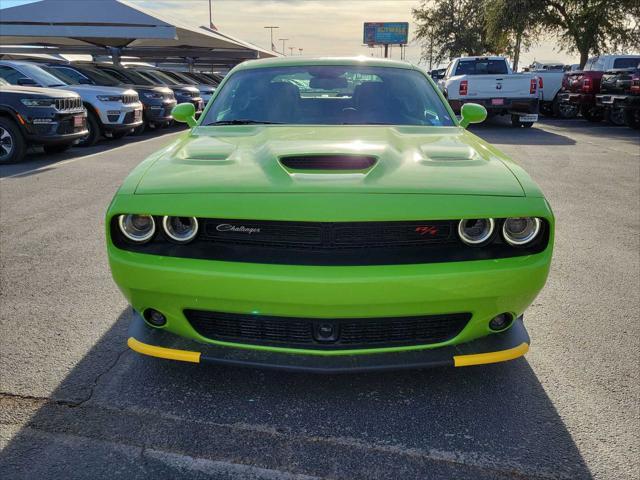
(350, 333)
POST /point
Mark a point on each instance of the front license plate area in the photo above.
(78, 120)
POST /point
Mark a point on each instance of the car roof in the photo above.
(309, 61)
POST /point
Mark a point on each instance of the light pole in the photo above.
(271, 27)
(283, 40)
(210, 18)
(300, 50)
(291, 49)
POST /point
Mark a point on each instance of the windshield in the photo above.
(99, 77)
(159, 76)
(180, 77)
(481, 66)
(329, 95)
(630, 62)
(40, 76)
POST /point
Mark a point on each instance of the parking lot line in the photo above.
(85, 157)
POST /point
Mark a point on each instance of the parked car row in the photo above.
(607, 88)
(60, 104)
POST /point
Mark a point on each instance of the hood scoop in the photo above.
(328, 163)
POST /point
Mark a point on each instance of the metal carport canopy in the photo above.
(91, 26)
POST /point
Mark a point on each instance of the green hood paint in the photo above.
(244, 159)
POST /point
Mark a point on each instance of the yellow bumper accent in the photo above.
(490, 357)
(162, 352)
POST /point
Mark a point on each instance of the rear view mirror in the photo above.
(185, 113)
(472, 113)
(328, 83)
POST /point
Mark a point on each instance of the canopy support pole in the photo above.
(115, 55)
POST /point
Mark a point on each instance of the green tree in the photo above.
(451, 28)
(594, 26)
(515, 23)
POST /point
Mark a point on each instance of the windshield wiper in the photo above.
(243, 122)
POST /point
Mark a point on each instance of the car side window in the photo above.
(116, 74)
(589, 64)
(11, 75)
(73, 74)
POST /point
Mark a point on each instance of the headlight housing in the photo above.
(38, 102)
(476, 231)
(153, 95)
(520, 230)
(109, 98)
(137, 228)
(180, 229)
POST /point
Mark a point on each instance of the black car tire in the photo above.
(632, 118)
(94, 131)
(615, 116)
(140, 129)
(12, 144)
(592, 114)
(56, 148)
(526, 124)
(564, 109)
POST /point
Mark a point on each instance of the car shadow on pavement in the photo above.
(121, 415)
(38, 161)
(496, 131)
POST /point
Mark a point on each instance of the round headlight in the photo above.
(475, 231)
(519, 231)
(137, 228)
(180, 229)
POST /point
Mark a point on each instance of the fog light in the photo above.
(500, 322)
(154, 317)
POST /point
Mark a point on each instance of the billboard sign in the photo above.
(386, 33)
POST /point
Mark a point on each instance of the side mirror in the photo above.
(472, 113)
(185, 113)
(26, 81)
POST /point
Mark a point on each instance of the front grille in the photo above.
(327, 235)
(128, 99)
(68, 104)
(346, 333)
(331, 243)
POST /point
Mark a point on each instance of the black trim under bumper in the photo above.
(497, 347)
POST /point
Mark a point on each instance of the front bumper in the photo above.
(160, 112)
(45, 128)
(500, 347)
(577, 98)
(116, 116)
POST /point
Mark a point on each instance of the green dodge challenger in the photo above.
(329, 215)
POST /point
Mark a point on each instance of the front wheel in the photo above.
(12, 143)
(615, 116)
(93, 131)
(56, 148)
(592, 114)
(564, 109)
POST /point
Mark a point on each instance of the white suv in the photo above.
(112, 111)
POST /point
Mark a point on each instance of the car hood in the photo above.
(248, 159)
(38, 91)
(98, 90)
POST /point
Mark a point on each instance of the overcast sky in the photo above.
(320, 27)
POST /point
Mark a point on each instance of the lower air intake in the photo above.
(327, 334)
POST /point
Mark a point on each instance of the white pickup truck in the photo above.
(549, 85)
(490, 82)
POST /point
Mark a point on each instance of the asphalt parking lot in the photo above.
(76, 403)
